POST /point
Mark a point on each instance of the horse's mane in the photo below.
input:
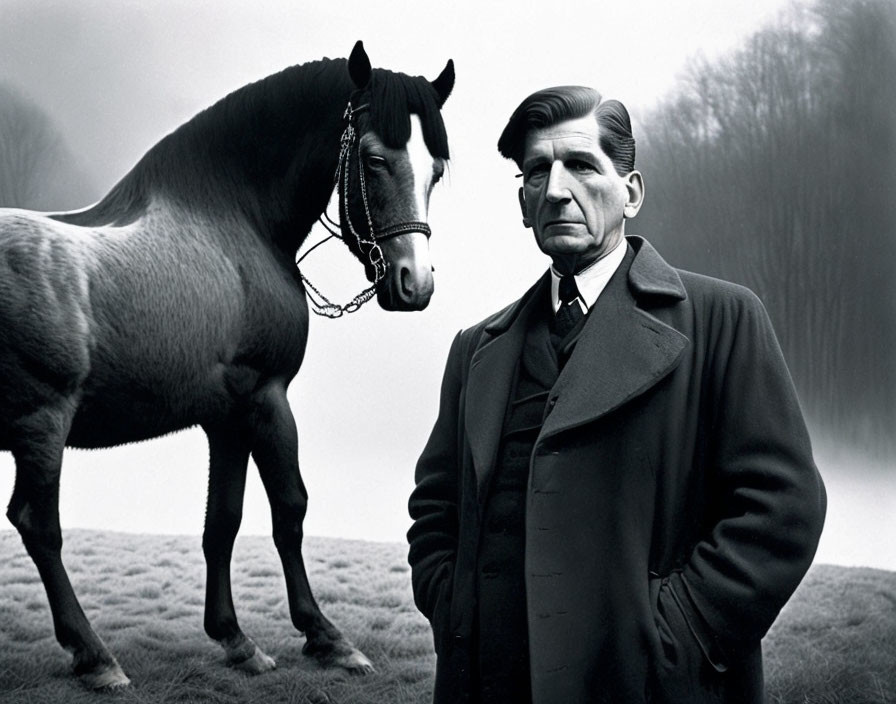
(394, 96)
(257, 134)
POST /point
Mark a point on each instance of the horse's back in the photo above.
(144, 329)
(83, 326)
(44, 312)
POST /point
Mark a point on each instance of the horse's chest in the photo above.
(277, 329)
(176, 320)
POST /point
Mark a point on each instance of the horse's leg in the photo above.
(34, 511)
(229, 455)
(275, 449)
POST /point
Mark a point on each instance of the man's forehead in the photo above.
(580, 134)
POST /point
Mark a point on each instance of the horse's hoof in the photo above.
(355, 661)
(256, 664)
(338, 652)
(243, 654)
(107, 677)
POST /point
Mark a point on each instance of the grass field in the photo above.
(835, 643)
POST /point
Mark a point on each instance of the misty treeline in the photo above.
(37, 170)
(775, 167)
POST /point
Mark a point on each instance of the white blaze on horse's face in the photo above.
(422, 167)
(401, 181)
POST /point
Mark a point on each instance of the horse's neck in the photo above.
(264, 155)
(285, 208)
(284, 173)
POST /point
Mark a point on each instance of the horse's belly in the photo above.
(91, 430)
(137, 402)
(115, 417)
(142, 398)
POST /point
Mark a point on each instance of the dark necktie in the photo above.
(570, 312)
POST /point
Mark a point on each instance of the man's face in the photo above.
(572, 196)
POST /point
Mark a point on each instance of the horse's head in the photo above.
(394, 152)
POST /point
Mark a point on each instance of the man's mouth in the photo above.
(563, 222)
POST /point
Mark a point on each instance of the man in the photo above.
(618, 495)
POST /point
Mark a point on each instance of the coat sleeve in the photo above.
(433, 505)
(767, 500)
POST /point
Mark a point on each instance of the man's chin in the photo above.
(571, 257)
(567, 244)
(568, 248)
(576, 250)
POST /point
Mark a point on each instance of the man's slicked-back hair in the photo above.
(551, 106)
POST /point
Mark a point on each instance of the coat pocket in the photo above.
(441, 617)
(682, 673)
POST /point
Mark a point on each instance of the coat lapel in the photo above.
(492, 371)
(622, 350)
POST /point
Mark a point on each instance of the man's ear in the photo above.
(634, 184)
(522, 197)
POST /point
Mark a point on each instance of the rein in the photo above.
(320, 304)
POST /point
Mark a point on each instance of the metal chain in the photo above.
(325, 307)
(375, 254)
(328, 309)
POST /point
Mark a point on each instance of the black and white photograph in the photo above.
(410, 352)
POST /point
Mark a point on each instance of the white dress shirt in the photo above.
(591, 281)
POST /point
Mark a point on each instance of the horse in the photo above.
(176, 301)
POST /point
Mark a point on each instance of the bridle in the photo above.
(320, 304)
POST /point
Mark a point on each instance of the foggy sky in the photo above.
(117, 76)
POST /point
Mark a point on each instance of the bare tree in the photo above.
(775, 167)
(36, 168)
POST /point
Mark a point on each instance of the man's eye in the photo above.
(536, 172)
(581, 167)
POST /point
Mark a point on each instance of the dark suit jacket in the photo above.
(673, 504)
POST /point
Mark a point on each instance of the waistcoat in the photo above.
(502, 633)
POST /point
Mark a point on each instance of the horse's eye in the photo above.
(375, 161)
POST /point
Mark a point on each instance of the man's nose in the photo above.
(557, 187)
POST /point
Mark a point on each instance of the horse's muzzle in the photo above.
(401, 289)
(408, 283)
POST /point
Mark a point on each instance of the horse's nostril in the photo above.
(405, 285)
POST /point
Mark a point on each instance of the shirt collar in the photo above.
(592, 280)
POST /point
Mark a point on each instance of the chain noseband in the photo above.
(324, 306)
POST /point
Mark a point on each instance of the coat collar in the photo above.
(604, 371)
(649, 275)
(623, 350)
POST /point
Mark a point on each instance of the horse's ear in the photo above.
(359, 66)
(445, 82)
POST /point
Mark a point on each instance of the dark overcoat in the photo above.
(672, 506)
